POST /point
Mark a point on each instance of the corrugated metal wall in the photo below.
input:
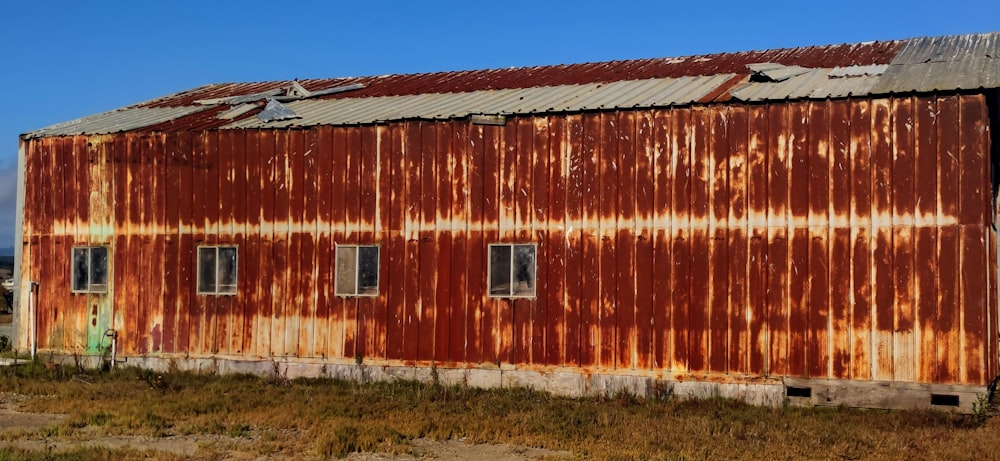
(843, 239)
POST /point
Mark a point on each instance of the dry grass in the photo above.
(271, 416)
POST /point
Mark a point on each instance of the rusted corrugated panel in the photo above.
(411, 224)
(572, 154)
(975, 151)
(840, 275)
(824, 239)
(659, 207)
(589, 297)
(124, 242)
(553, 324)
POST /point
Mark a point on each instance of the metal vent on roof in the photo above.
(338, 89)
(295, 90)
(774, 72)
(237, 100)
(275, 111)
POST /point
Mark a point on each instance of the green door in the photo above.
(90, 277)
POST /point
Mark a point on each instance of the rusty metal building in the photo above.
(815, 223)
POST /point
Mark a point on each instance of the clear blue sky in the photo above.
(63, 60)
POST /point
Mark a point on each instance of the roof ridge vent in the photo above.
(296, 90)
(293, 92)
(773, 72)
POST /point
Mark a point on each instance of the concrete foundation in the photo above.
(771, 392)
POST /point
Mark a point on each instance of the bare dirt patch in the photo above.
(181, 446)
(13, 420)
(456, 450)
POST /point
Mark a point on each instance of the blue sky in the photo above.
(63, 60)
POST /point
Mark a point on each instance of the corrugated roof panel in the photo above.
(525, 100)
(202, 120)
(554, 99)
(991, 74)
(620, 94)
(816, 83)
(435, 108)
(648, 93)
(841, 87)
(776, 72)
(691, 89)
(940, 63)
(116, 121)
(617, 95)
(858, 71)
(237, 111)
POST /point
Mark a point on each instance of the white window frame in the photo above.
(356, 271)
(511, 276)
(90, 286)
(220, 289)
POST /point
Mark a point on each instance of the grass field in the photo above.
(252, 417)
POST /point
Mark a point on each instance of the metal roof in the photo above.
(926, 64)
(811, 84)
(564, 98)
(944, 63)
(117, 121)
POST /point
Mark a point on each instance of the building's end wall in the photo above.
(19, 340)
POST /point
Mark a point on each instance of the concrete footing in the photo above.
(576, 383)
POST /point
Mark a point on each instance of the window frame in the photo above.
(511, 294)
(90, 287)
(218, 290)
(357, 293)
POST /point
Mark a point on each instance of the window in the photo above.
(357, 270)
(90, 270)
(217, 270)
(512, 270)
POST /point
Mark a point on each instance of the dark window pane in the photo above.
(206, 270)
(368, 270)
(500, 270)
(81, 273)
(347, 263)
(98, 269)
(524, 270)
(227, 270)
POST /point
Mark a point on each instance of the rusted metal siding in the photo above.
(843, 239)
